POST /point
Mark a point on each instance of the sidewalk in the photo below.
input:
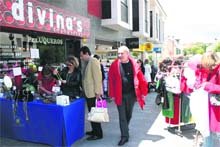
(147, 129)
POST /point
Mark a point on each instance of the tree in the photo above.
(135, 54)
(197, 48)
(217, 47)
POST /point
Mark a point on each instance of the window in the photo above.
(124, 10)
(151, 23)
(159, 30)
(146, 16)
(157, 26)
(18, 40)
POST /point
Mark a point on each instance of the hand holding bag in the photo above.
(98, 114)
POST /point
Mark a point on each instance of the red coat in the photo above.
(115, 83)
(213, 85)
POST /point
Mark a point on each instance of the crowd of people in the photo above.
(195, 84)
(126, 85)
(129, 80)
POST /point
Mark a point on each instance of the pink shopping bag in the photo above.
(101, 103)
(215, 118)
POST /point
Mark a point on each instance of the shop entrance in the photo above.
(50, 54)
(73, 48)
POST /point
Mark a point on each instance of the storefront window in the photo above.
(52, 54)
(17, 46)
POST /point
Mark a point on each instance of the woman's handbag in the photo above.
(158, 99)
(98, 114)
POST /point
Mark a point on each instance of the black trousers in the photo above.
(96, 127)
(125, 113)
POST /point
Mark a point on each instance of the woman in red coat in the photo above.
(126, 85)
(211, 72)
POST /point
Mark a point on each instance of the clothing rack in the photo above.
(178, 131)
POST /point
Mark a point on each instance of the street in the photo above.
(147, 129)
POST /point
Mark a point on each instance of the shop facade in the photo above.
(27, 24)
(113, 22)
(102, 25)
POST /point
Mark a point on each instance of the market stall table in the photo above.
(43, 123)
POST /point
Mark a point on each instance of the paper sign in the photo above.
(62, 100)
(17, 71)
(35, 53)
(40, 68)
(56, 89)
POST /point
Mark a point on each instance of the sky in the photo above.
(192, 20)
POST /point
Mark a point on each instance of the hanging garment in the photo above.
(169, 112)
(175, 119)
(173, 84)
(199, 110)
(185, 109)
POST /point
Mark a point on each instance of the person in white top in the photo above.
(147, 71)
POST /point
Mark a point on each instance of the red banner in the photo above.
(42, 17)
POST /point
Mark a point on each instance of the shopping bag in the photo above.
(101, 103)
(158, 99)
(98, 114)
(173, 84)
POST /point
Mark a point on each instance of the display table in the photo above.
(47, 123)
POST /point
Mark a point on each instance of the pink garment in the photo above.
(183, 85)
(213, 86)
(201, 77)
(214, 118)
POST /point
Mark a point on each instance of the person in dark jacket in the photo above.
(71, 78)
(101, 65)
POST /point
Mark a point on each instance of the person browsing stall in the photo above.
(71, 78)
(208, 78)
(46, 81)
(92, 87)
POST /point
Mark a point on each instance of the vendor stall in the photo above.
(47, 123)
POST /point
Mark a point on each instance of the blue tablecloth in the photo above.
(47, 123)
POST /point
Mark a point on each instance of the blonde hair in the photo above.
(73, 60)
(209, 60)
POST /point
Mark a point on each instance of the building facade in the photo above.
(103, 24)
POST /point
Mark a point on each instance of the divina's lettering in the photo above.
(64, 23)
